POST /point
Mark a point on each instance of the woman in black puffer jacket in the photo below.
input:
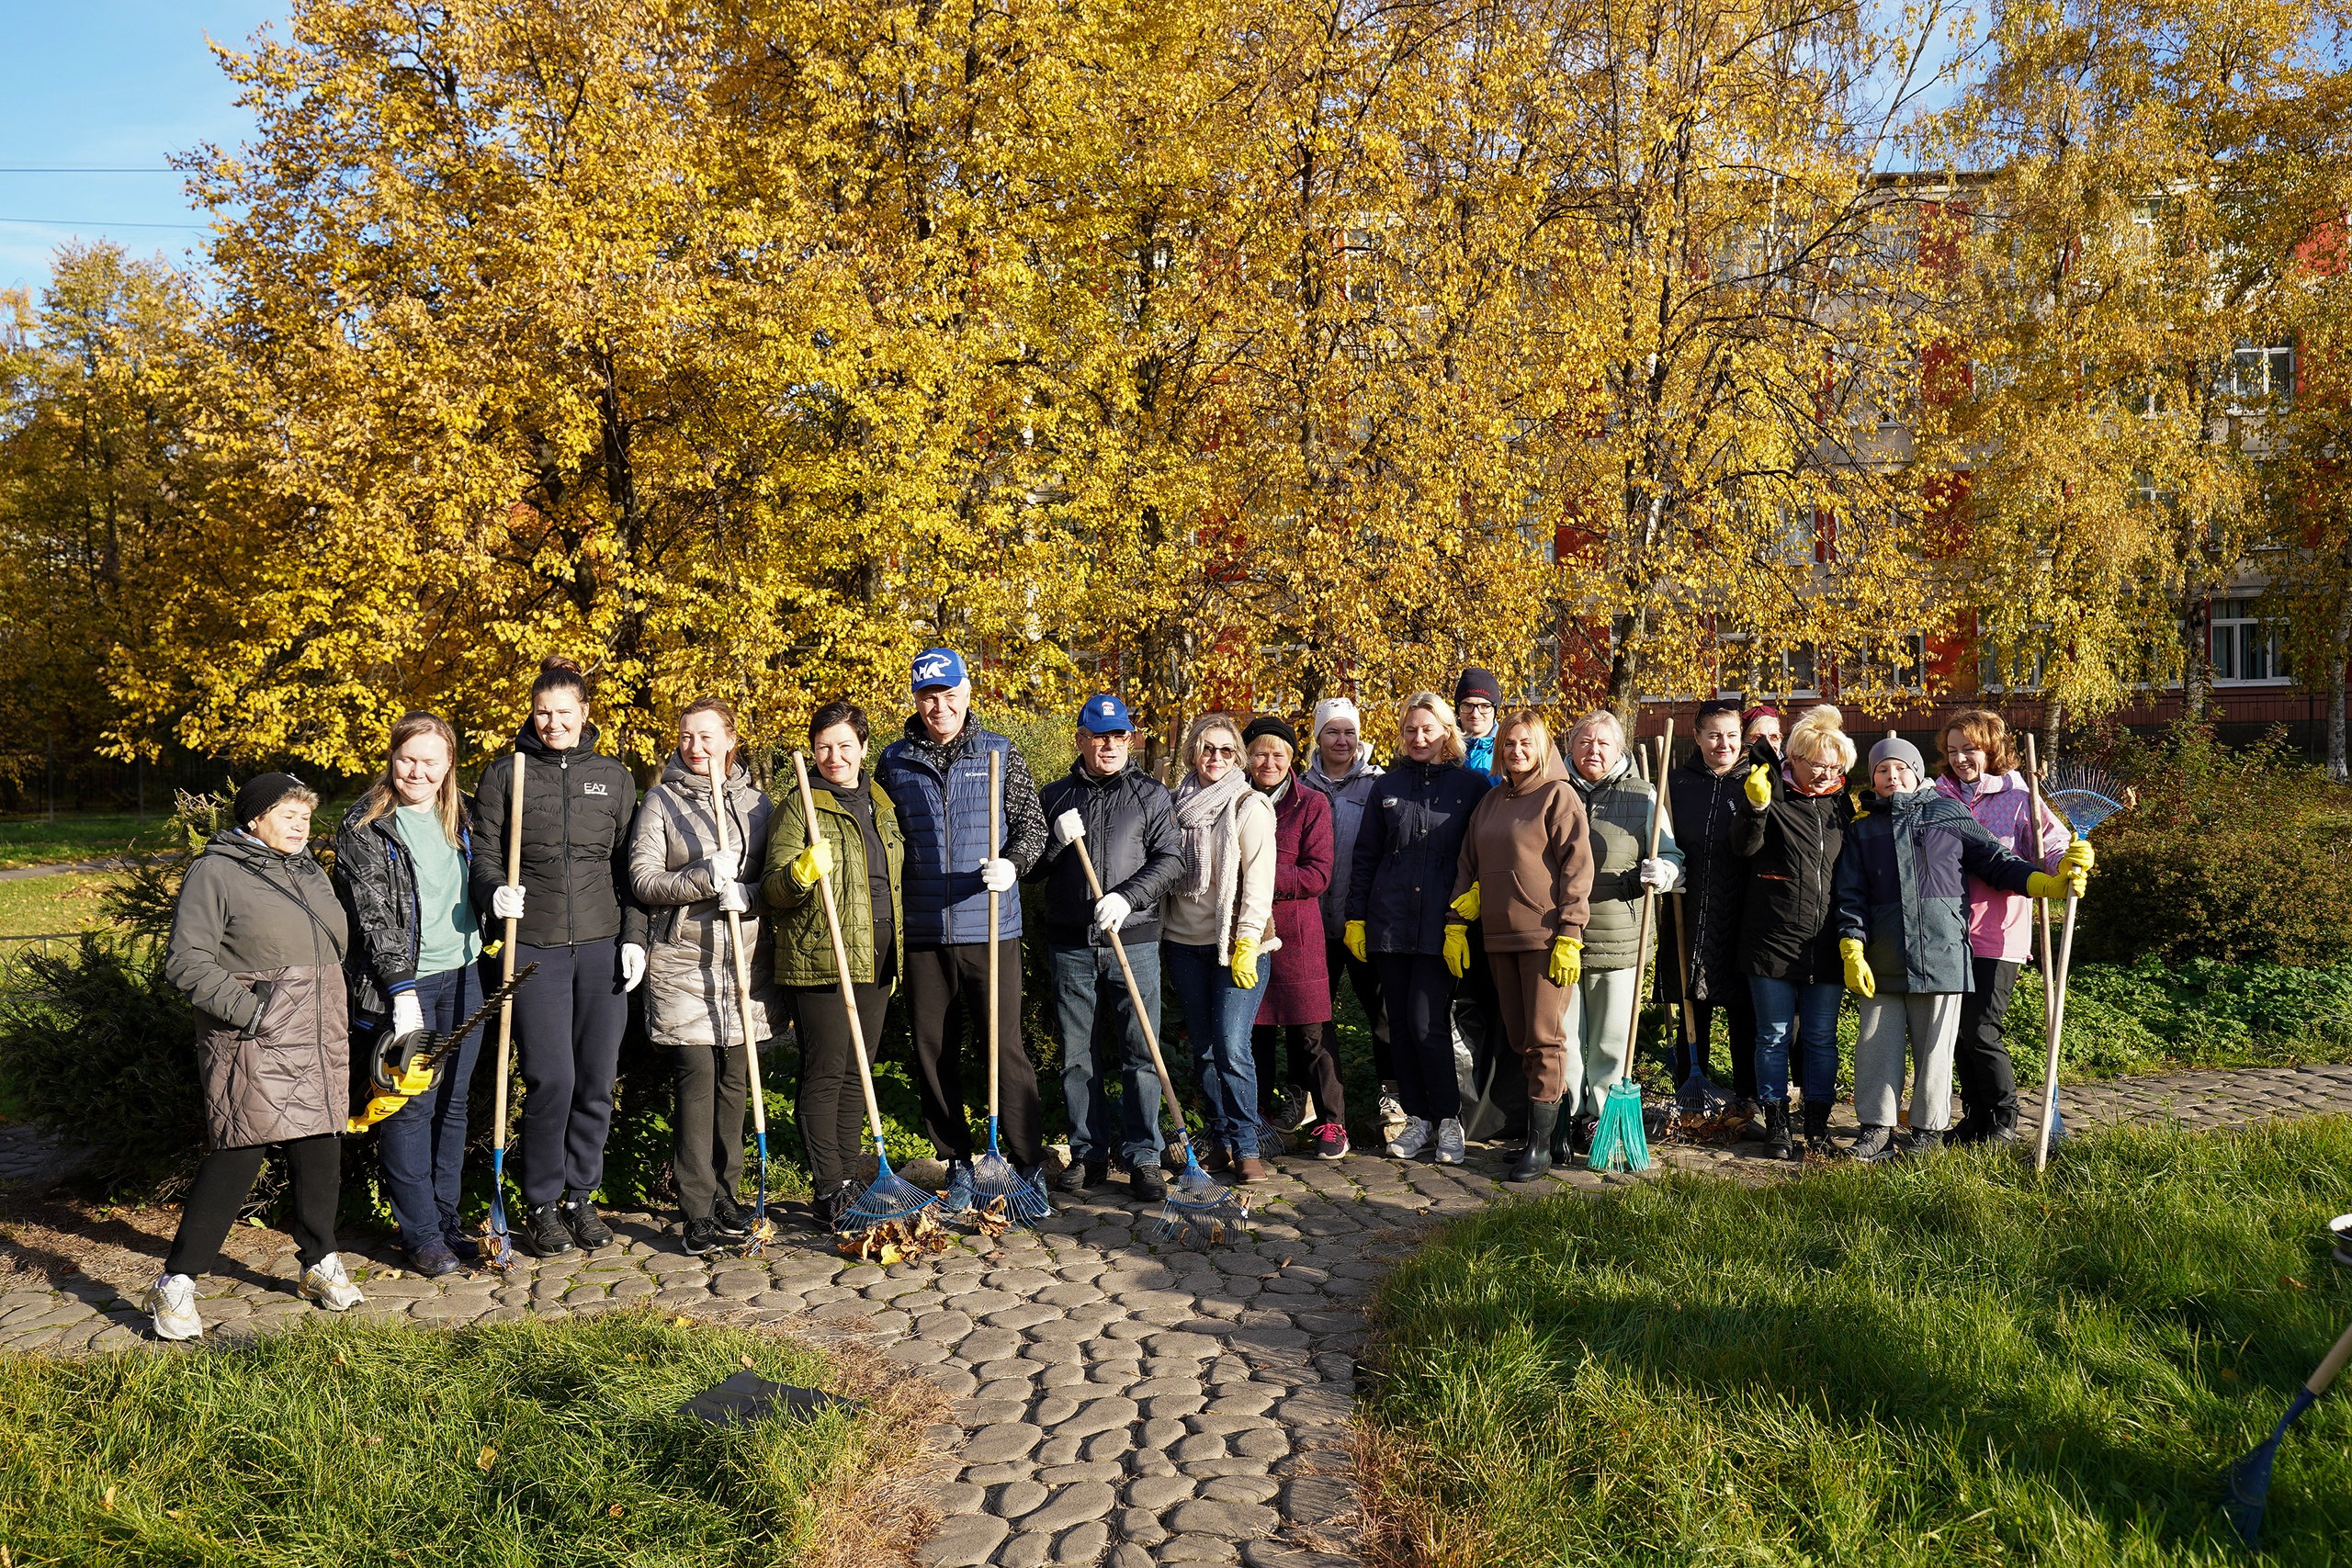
(577, 920)
(1703, 799)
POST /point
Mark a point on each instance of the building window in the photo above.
(2262, 378)
(2245, 648)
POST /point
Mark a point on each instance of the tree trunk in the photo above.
(2196, 669)
(1625, 671)
(2339, 645)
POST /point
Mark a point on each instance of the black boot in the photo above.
(1543, 1121)
(1776, 1129)
(1816, 1131)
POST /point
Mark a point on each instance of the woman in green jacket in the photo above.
(859, 845)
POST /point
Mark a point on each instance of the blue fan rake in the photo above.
(998, 1192)
(2085, 798)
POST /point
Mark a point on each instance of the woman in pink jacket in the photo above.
(1980, 771)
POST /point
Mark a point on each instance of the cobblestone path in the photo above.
(1121, 1401)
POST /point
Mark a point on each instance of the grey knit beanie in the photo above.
(1896, 748)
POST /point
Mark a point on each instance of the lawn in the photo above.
(69, 901)
(37, 840)
(526, 1442)
(1947, 1363)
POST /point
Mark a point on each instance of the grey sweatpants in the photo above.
(1929, 1023)
(1599, 1013)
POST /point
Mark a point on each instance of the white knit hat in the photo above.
(1330, 708)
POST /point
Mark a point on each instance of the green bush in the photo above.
(2243, 856)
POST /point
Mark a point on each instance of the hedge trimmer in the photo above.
(404, 1066)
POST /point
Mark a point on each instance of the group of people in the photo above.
(1483, 868)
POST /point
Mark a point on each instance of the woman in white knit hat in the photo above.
(1343, 772)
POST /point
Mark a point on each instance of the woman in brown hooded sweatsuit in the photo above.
(1526, 873)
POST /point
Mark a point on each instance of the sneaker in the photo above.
(1292, 1109)
(1923, 1143)
(1875, 1145)
(1449, 1141)
(326, 1283)
(1411, 1141)
(1392, 1112)
(587, 1227)
(544, 1232)
(1146, 1186)
(463, 1247)
(1330, 1140)
(1080, 1175)
(829, 1208)
(728, 1217)
(171, 1302)
(433, 1260)
(702, 1235)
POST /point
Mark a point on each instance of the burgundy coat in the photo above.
(1300, 991)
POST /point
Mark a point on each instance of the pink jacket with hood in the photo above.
(2000, 924)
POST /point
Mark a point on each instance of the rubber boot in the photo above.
(1776, 1129)
(1816, 1131)
(1542, 1122)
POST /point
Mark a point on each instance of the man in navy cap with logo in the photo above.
(1128, 821)
(937, 774)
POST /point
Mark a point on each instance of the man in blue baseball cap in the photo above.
(1127, 821)
(937, 775)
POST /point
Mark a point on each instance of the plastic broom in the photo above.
(891, 1197)
(1199, 1208)
(498, 1246)
(762, 1227)
(998, 1191)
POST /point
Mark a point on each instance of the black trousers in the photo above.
(1739, 1025)
(1420, 991)
(947, 987)
(710, 1087)
(313, 1172)
(1366, 978)
(829, 1103)
(1314, 1067)
(1988, 1083)
(567, 1026)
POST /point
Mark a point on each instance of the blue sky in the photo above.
(110, 83)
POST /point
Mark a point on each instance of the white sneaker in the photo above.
(1410, 1143)
(171, 1302)
(326, 1283)
(1449, 1142)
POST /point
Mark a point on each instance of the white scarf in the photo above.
(1209, 815)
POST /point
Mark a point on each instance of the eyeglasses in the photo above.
(1208, 750)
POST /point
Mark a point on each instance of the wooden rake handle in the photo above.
(840, 957)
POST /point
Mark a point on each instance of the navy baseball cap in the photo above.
(938, 667)
(1104, 713)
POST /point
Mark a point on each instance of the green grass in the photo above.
(37, 840)
(1946, 1364)
(66, 902)
(538, 1443)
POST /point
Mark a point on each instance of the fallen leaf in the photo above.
(682, 1321)
(339, 1360)
(171, 1513)
(106, 1502)
(614, 1510)
(2291, 1280)
(488, 1457)
(747, 1363)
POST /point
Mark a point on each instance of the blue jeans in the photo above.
(1219, 1013)
(424, 1142)
(1088, 987)
(1778, 1003)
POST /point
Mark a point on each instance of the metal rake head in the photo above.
(1200, 1209)
(2084, 797)
(892, 1198)
(998, 1189)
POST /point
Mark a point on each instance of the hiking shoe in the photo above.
(326, 1283)
(1081, 1175)
(1410, 1142)
(1292, 1109)
(433, 1260)
(171, 1302)
(1250, 1167)
(587, 1227)
(1146, 1186)
(702, 1235)
(1329, 1141)
(544, 1230)
(465, 1249)
(1449, 1141)
(1875, 1145)
(728, 1217)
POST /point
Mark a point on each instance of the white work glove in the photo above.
(507, 902)
(1068, 827)
(996, 875)
(408, 1014)
(632, 965)
(735, 898)
(1657, 875)
(726, 865)
(1110, 910)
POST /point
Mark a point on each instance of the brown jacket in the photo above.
(248, 916)
(1528, 851)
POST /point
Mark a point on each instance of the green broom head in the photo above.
(1618, 1142)
(891, 1197)
(1002, 1193)
(1199, 1209)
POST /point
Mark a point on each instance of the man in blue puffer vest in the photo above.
(938, 777)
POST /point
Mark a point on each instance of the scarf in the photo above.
(1207, 816)
(1788, 777)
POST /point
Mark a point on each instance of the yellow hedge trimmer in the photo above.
(405, 1067)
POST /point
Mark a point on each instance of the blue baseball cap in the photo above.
(1104, 713)
(938, 667)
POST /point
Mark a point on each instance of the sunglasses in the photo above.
(1208, 750)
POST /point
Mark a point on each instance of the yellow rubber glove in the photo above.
(2066, 882)
(1457, 949)
(1353, 939)
(2078, 854)
(1467, 905)
(1245, 964)
(1858, 979)
(1759, 787)
(812, 863)
(1567, 961)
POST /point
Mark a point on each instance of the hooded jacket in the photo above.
(1705, 809)
(1401, 878)
(1529, 850)
(375, 875)
(1901, 888)
(1348, 795)
(1300, 988)
(1618, 806)
(577, 806)
(2001, 925)
(689, 973)
(257, 944)
(1787, 928)
(1130, 836)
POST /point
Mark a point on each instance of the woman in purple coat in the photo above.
(1298, 999)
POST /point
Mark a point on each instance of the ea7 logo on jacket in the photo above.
(594, 789)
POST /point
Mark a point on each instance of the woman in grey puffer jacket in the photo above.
(687, 885)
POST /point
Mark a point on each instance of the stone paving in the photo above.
(1122, 1400)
